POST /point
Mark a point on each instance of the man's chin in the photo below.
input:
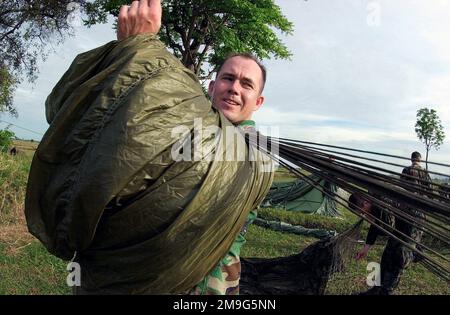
(230, 116)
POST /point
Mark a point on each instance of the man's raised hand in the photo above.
(140, 17)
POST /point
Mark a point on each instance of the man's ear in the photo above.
(259, 102)
(211, 88)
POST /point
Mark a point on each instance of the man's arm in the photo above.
(371, 235)
(141, 17)
(363, 253)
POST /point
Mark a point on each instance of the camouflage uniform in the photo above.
(422, 177)
(396, 256)
(224, 278)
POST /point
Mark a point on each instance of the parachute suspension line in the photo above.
(372, 182)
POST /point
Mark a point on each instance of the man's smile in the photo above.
(231, 102)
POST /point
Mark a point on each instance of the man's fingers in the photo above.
(123, 12)
(144, 3)
(154, 4)
(122, 27)
(143, 8)
(141, 17)
(133, 9)
(155, 13)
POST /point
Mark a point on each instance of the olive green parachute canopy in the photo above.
(104, 181)
(315, 196)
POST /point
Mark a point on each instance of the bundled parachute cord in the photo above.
(374, 220)
(430, 264)
(343, 184)
(302, 157)
(366, 180)
(441, 189)
(364, 158)
(389, 179)
(416, 187)
(407, 184)
(357, 150)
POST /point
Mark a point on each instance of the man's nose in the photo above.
(234, 87)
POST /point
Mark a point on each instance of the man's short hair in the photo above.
(356, 201)
(415, 156)
(247, 56)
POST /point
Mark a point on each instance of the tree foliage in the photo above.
(27, 30)
(6, 139)
(205, 31)
(429, 129)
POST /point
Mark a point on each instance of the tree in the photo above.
(27, 30)
(7, 84)
(205, 31)
(429, 130)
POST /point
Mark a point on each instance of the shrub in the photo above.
(6, 139)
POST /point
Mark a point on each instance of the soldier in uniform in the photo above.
(415, 173)
(396, 256)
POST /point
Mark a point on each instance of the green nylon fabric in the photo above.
(301, 195)
(103, 181)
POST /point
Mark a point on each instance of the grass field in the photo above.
(27, 268)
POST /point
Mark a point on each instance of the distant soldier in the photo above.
(396, 256)
(415, 173)
(13, 151)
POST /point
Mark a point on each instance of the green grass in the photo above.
(13, 178)
(313, 221)
(31, 270)
(281, 244)
(416, 279)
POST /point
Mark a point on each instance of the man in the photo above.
(396, 256)
(236, 92)
(103, 184)
(415, 173)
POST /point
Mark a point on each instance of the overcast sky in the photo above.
(360, 70)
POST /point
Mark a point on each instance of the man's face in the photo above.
(365, 206)
(236, 92)
(362, 205)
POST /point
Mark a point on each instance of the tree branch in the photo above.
(14, 29)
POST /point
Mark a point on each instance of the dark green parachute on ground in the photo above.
(104, 182)
(308, 196)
